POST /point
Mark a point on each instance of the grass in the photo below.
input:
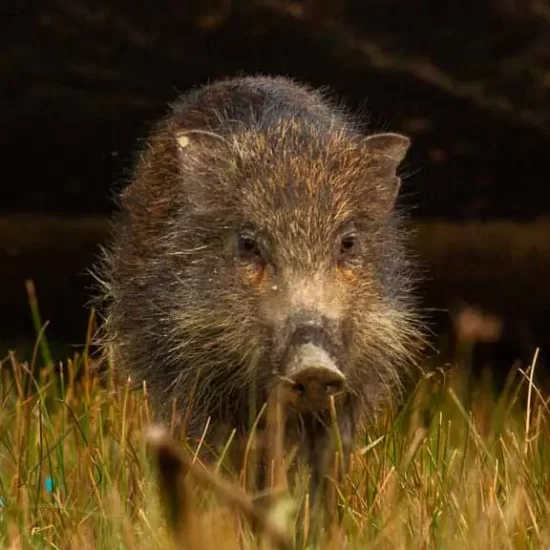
(455, 467)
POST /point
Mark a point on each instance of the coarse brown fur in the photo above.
(270, 158)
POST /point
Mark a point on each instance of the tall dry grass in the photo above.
(454, 467)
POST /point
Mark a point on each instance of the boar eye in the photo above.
(348, 245)
(248, 248)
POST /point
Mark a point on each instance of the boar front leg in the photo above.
(329, 446)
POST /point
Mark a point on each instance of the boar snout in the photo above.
(310, 372)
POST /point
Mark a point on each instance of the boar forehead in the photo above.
(307, 178)
(309, 195)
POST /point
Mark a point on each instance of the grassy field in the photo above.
(456, 467)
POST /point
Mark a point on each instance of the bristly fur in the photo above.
(280, 158)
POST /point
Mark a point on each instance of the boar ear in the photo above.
(185, 139)
(198, 143)
(389, 150)
(391, 146)
(198, 151)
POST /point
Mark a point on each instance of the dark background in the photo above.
(468, 80)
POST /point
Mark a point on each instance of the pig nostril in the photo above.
(318, 382)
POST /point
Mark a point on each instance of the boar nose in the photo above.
(311, 373)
